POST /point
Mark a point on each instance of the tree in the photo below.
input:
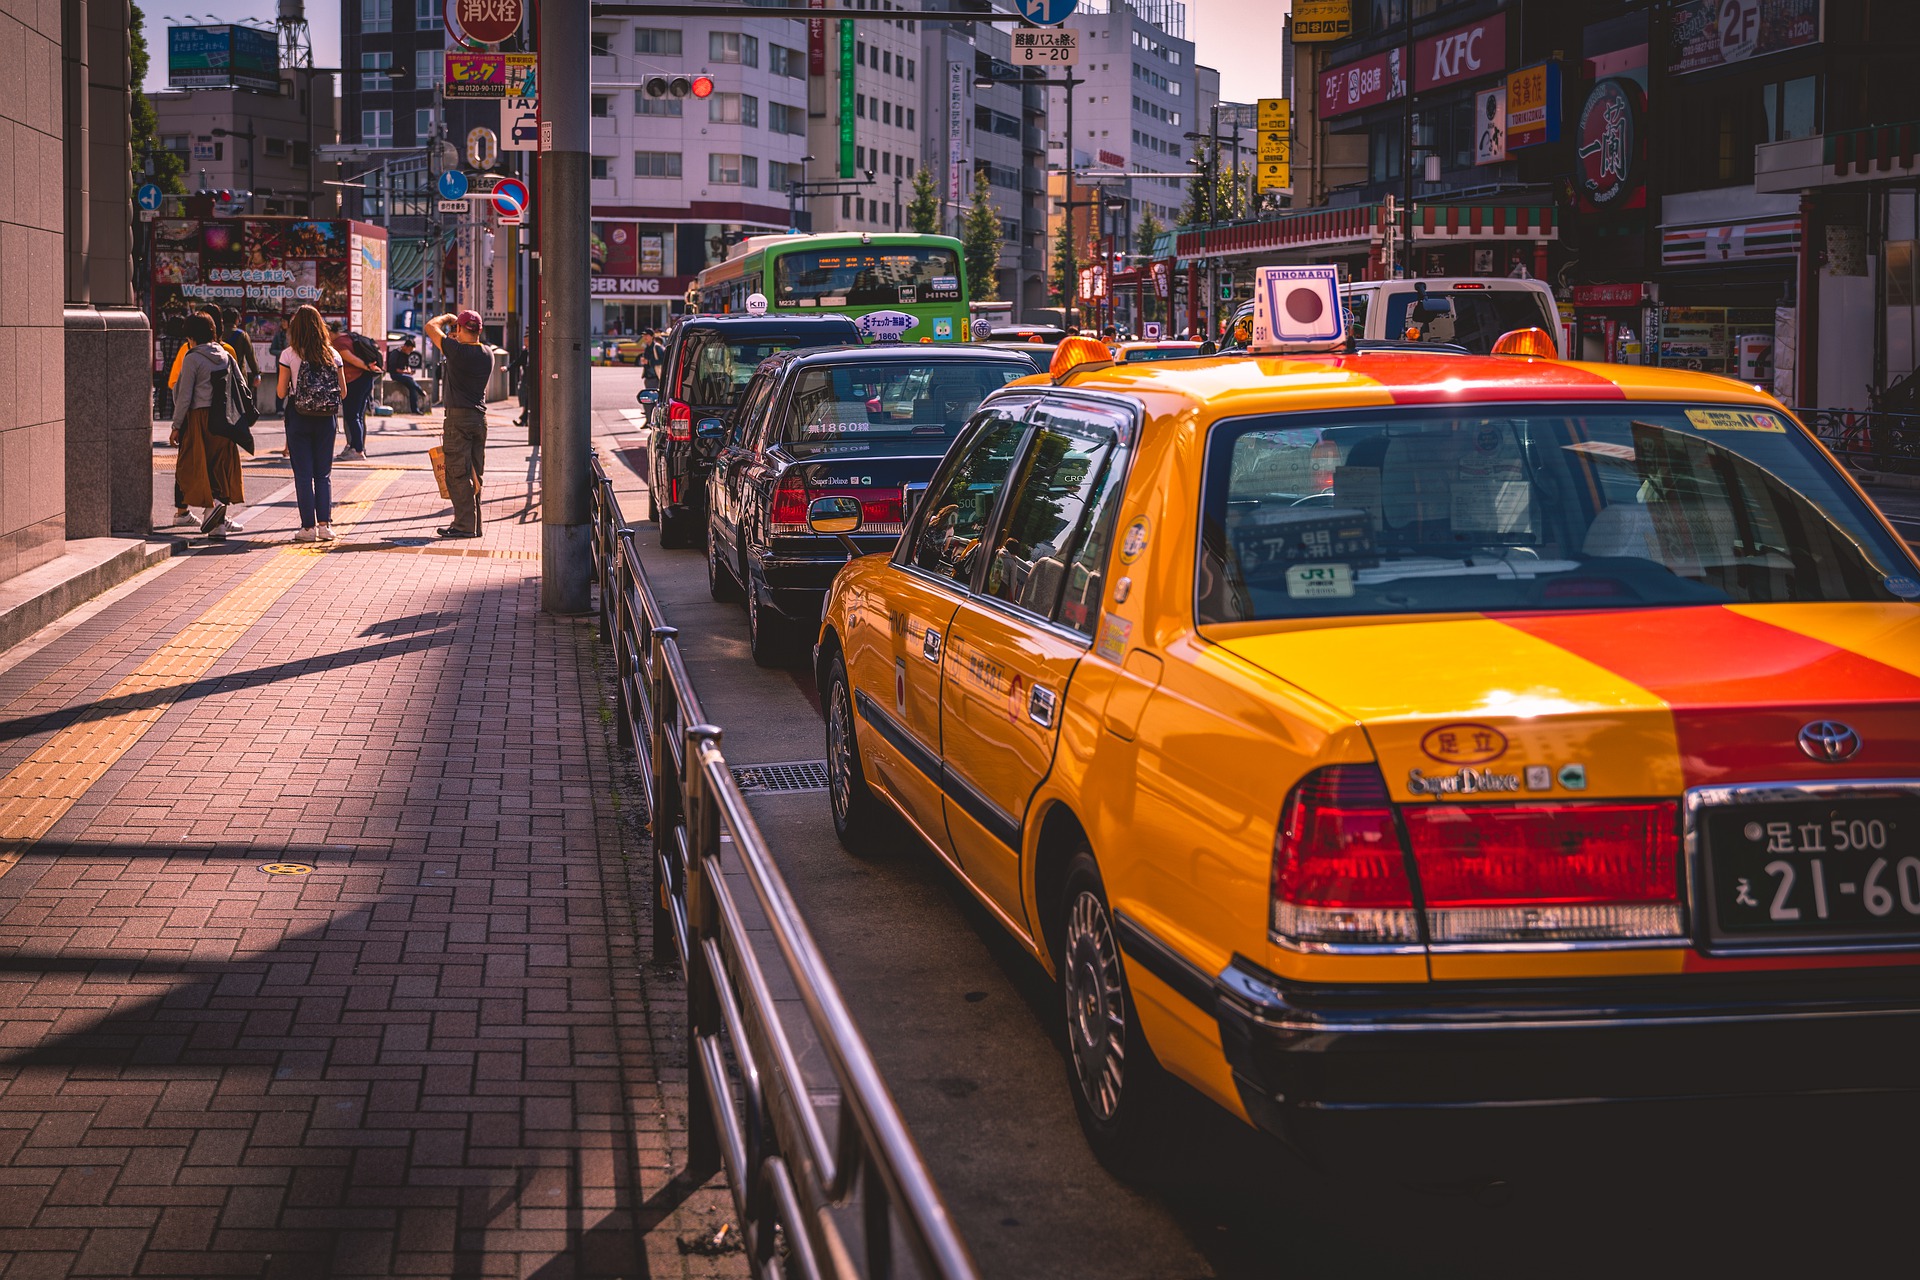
(1065, 283)
(167, 167)
(980, 235)
(923, 211)
(1147, 233)
(1215, 192)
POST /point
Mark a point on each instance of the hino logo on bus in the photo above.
(1464, 783)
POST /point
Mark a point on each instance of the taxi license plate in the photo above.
(1843, 871)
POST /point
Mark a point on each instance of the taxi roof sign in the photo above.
(1297, 309)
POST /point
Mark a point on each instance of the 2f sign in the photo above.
(1739, 29)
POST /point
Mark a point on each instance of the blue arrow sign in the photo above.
(453, 185)
(148, 196)
(1046, 13)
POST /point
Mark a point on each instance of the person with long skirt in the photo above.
(208, 466)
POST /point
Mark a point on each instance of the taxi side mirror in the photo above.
(648, 398)
(834, 516)
(711, 429)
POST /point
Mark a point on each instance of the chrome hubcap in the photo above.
(839, 753)
(1096, 1007)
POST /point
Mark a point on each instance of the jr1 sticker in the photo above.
(1736, 420)
(1319, 581)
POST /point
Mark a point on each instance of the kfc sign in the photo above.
(1478, 49)
(1365, 83)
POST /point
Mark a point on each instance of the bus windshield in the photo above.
(867, 276)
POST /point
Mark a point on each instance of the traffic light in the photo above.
(679, 86)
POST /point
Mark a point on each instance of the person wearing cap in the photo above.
(353, 410)
(466, 367)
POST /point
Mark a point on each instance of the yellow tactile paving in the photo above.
(43, 787)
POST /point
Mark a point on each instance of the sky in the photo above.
(323, 16)
(1240, 37)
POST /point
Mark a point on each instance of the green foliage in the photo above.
(980, 235)
(923, 211)
(1146, 233)
(1214, 192)
(167, 167)
(1065, 274)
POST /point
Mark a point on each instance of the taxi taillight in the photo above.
(679, 420)
(1583, 871)
(882, 508)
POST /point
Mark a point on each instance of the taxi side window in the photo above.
(1057, 488)
(746, 426)
(1087, 571)
(948, 540)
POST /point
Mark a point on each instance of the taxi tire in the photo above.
(1126, 1127)
(769, 635)
(674, 534)
(858, 820)
(723, 584)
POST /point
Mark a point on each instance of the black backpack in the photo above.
(365, 348)
(232, 413)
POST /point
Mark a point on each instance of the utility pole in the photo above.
(566, 506)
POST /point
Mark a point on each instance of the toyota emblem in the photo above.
(1829, 741)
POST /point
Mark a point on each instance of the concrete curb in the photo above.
(90, 566)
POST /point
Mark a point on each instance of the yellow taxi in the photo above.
(1359, 734)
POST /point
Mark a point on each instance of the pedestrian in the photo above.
(353, 410)
(313, 386)
(650, 360)
(516, 369)
(242, 347)
(208, 468)
(465, 367)
(400, 364)
(211, 310)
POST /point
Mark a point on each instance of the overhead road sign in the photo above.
(1033, 47)
(511, 197)
(1045, 13)
(453, 185)
(147, 197)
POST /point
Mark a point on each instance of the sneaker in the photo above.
(306, 535)
(182, 516)
(234, 526)
(326, 531)
(215, 517)
(352, 455)
(454, 531)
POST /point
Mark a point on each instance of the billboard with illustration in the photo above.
(265, 268)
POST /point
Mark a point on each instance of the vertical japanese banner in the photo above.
(846, 97)
(816, 41)
(956, 128)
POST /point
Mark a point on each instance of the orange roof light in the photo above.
(1535, 342)
(1076, 353)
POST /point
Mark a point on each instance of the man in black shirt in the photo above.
(466, 367)
(400, 365)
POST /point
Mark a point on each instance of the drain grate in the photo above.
(790, 775)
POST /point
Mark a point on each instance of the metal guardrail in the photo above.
(750, 1111)
(1867, 440)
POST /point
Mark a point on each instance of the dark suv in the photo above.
(709, 361)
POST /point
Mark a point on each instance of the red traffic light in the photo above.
(702, 86)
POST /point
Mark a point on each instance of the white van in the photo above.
(1471, 312)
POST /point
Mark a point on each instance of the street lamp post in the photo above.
(1071, 275)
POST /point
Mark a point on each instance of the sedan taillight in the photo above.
(679, 420)
(1339, 873)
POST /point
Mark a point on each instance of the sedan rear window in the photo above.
(870, 399)
(1489, 508)
(1474, 318)
(716, 366)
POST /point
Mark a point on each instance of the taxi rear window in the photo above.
(1504, 507)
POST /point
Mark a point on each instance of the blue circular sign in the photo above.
(453, 185)
(1046, 13)
(148, 196)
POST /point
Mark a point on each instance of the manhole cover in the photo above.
(791, 775)
(286, 868)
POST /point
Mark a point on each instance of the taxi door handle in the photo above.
(930, 646)
(1040, 704)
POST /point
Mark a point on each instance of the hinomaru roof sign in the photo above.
(1297, 309)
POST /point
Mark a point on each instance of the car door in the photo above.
(726, 499)
(1014, 642)
(898, 650)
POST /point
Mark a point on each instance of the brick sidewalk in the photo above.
(437, 1053)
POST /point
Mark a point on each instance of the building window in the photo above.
(373, 72)
(783, 61)
(603, 166)
(600, 106)
(909, 166)
(886, 61)
(859, 157)
(1790, 109)
(733, 171)
(733, 47)
(1385, 147)
(780, 176)
(886, 162)
(645, 106)
(909, 63)
(422, 124)
(886, 113)
(860, 52)
(860, 208)
(301, 157)
(376, 15)
(782, 118)
(429, 69)
(429, 13)
(661, 42)
(860, 105)
(909, 117)
(600, 44)
(376, 128)
(275, 148)
(846, 206)
(734, 108)
(656, 164)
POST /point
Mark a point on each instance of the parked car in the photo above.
(1472, 313)
(1562, 756)
(870, 423)
(709, 361)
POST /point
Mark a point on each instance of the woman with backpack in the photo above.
(313, 385)
(208, 467)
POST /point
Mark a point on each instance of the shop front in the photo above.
(1727, 289)
(1611, 322)
(633, 276)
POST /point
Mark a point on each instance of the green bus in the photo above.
(881, 275)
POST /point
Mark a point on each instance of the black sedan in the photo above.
(870, 423)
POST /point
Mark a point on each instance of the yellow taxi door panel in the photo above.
(900, 693)
(1010, 655)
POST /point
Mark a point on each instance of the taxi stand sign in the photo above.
(1297, 309)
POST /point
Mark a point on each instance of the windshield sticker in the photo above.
(1288, 535)
(1735, 420)
(1136, 540)
(943, 327)
(1463, 743)
(1114, 634)
(1539, 777)
(1320, 582)
(1905, 588)
(1464, 783)
(1573, 777)
(885, 326)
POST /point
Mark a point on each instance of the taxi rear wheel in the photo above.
(1117, 1084)
(856, 812)
(722, 585)
(770, 637)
